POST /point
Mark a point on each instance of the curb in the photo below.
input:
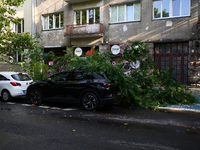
(178, 110)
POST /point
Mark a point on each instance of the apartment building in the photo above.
(26, 16)
(170, 27)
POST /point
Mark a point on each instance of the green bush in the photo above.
(40, 71)
(142, 88)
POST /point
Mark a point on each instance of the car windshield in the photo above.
(21, 77)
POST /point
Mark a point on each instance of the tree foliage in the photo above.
(143, 87)
(25, 46)
(7, 13)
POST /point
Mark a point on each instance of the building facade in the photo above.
(170, 27)
(26, 16)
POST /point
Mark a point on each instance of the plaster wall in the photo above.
(86, 41)
(54, 37)
(149, 29)
(25, 13)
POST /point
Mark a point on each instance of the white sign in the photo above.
(50, 63)
(115, 49)
(135, 65)
(78, 51)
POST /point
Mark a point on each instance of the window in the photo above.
(88, 16)
(19, 28)
(53, 21)
(18, 56)
(21, 77)
(2, 78)
(60, 76)
(125, 13)
(171, 8)
(77, 76)
(173, 55)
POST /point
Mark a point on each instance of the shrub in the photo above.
(143, 87)
(40, 71)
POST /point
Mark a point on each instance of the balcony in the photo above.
(84, 30)
(78, 1)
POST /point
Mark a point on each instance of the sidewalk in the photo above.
(186, 108)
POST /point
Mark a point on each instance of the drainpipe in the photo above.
(34, 30)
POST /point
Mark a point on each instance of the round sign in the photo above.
(135, 65)
(78, 51)
(115, 49)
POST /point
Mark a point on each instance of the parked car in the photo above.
(88, 90)
(13, 84)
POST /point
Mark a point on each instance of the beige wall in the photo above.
(149, 30)
(27, 13)
(50, 38)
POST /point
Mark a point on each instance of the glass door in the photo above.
(173, 55)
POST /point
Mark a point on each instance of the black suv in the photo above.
(88, 90)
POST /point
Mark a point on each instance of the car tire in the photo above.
(6, 96)
(89, 101)
(35, 96)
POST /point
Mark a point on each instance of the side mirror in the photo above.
(49, 80)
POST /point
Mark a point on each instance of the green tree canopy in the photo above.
(11, 43)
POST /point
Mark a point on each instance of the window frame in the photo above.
(54, 21)
(19, 57)
(87, 16)
(170, 10)
(15, 26)
(125, 13)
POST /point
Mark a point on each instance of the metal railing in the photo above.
(84, 29)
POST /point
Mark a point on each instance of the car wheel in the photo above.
(35, 96)
(6, 96)
(90, 101)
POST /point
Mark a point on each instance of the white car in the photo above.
(13, 84)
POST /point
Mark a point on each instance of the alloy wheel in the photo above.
(90, 101)
(35, 96)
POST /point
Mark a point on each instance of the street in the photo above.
(62, 126)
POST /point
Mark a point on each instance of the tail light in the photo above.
(15, 83)
(109, 95)
(107, 84)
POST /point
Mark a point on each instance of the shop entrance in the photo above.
(173, 55)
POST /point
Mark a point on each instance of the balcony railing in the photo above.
(78, 1)
(95, 28)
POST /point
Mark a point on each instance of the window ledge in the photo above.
(154, 19)
(124, 22)
(52, 29)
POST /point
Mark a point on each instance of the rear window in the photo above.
(21, 77)
(98, 76)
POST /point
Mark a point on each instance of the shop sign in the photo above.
(78, 51)
(50, 63)
(115, 49)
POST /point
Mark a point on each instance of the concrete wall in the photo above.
(4, 66)
(25, 13)
(69, 20)
(149, 30)
(54, 37)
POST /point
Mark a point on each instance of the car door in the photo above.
(3, 82)
(76, 84)
(55, 85)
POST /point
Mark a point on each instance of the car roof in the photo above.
(71, 71)
(10, 72)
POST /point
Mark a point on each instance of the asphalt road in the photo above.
(65, 127)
